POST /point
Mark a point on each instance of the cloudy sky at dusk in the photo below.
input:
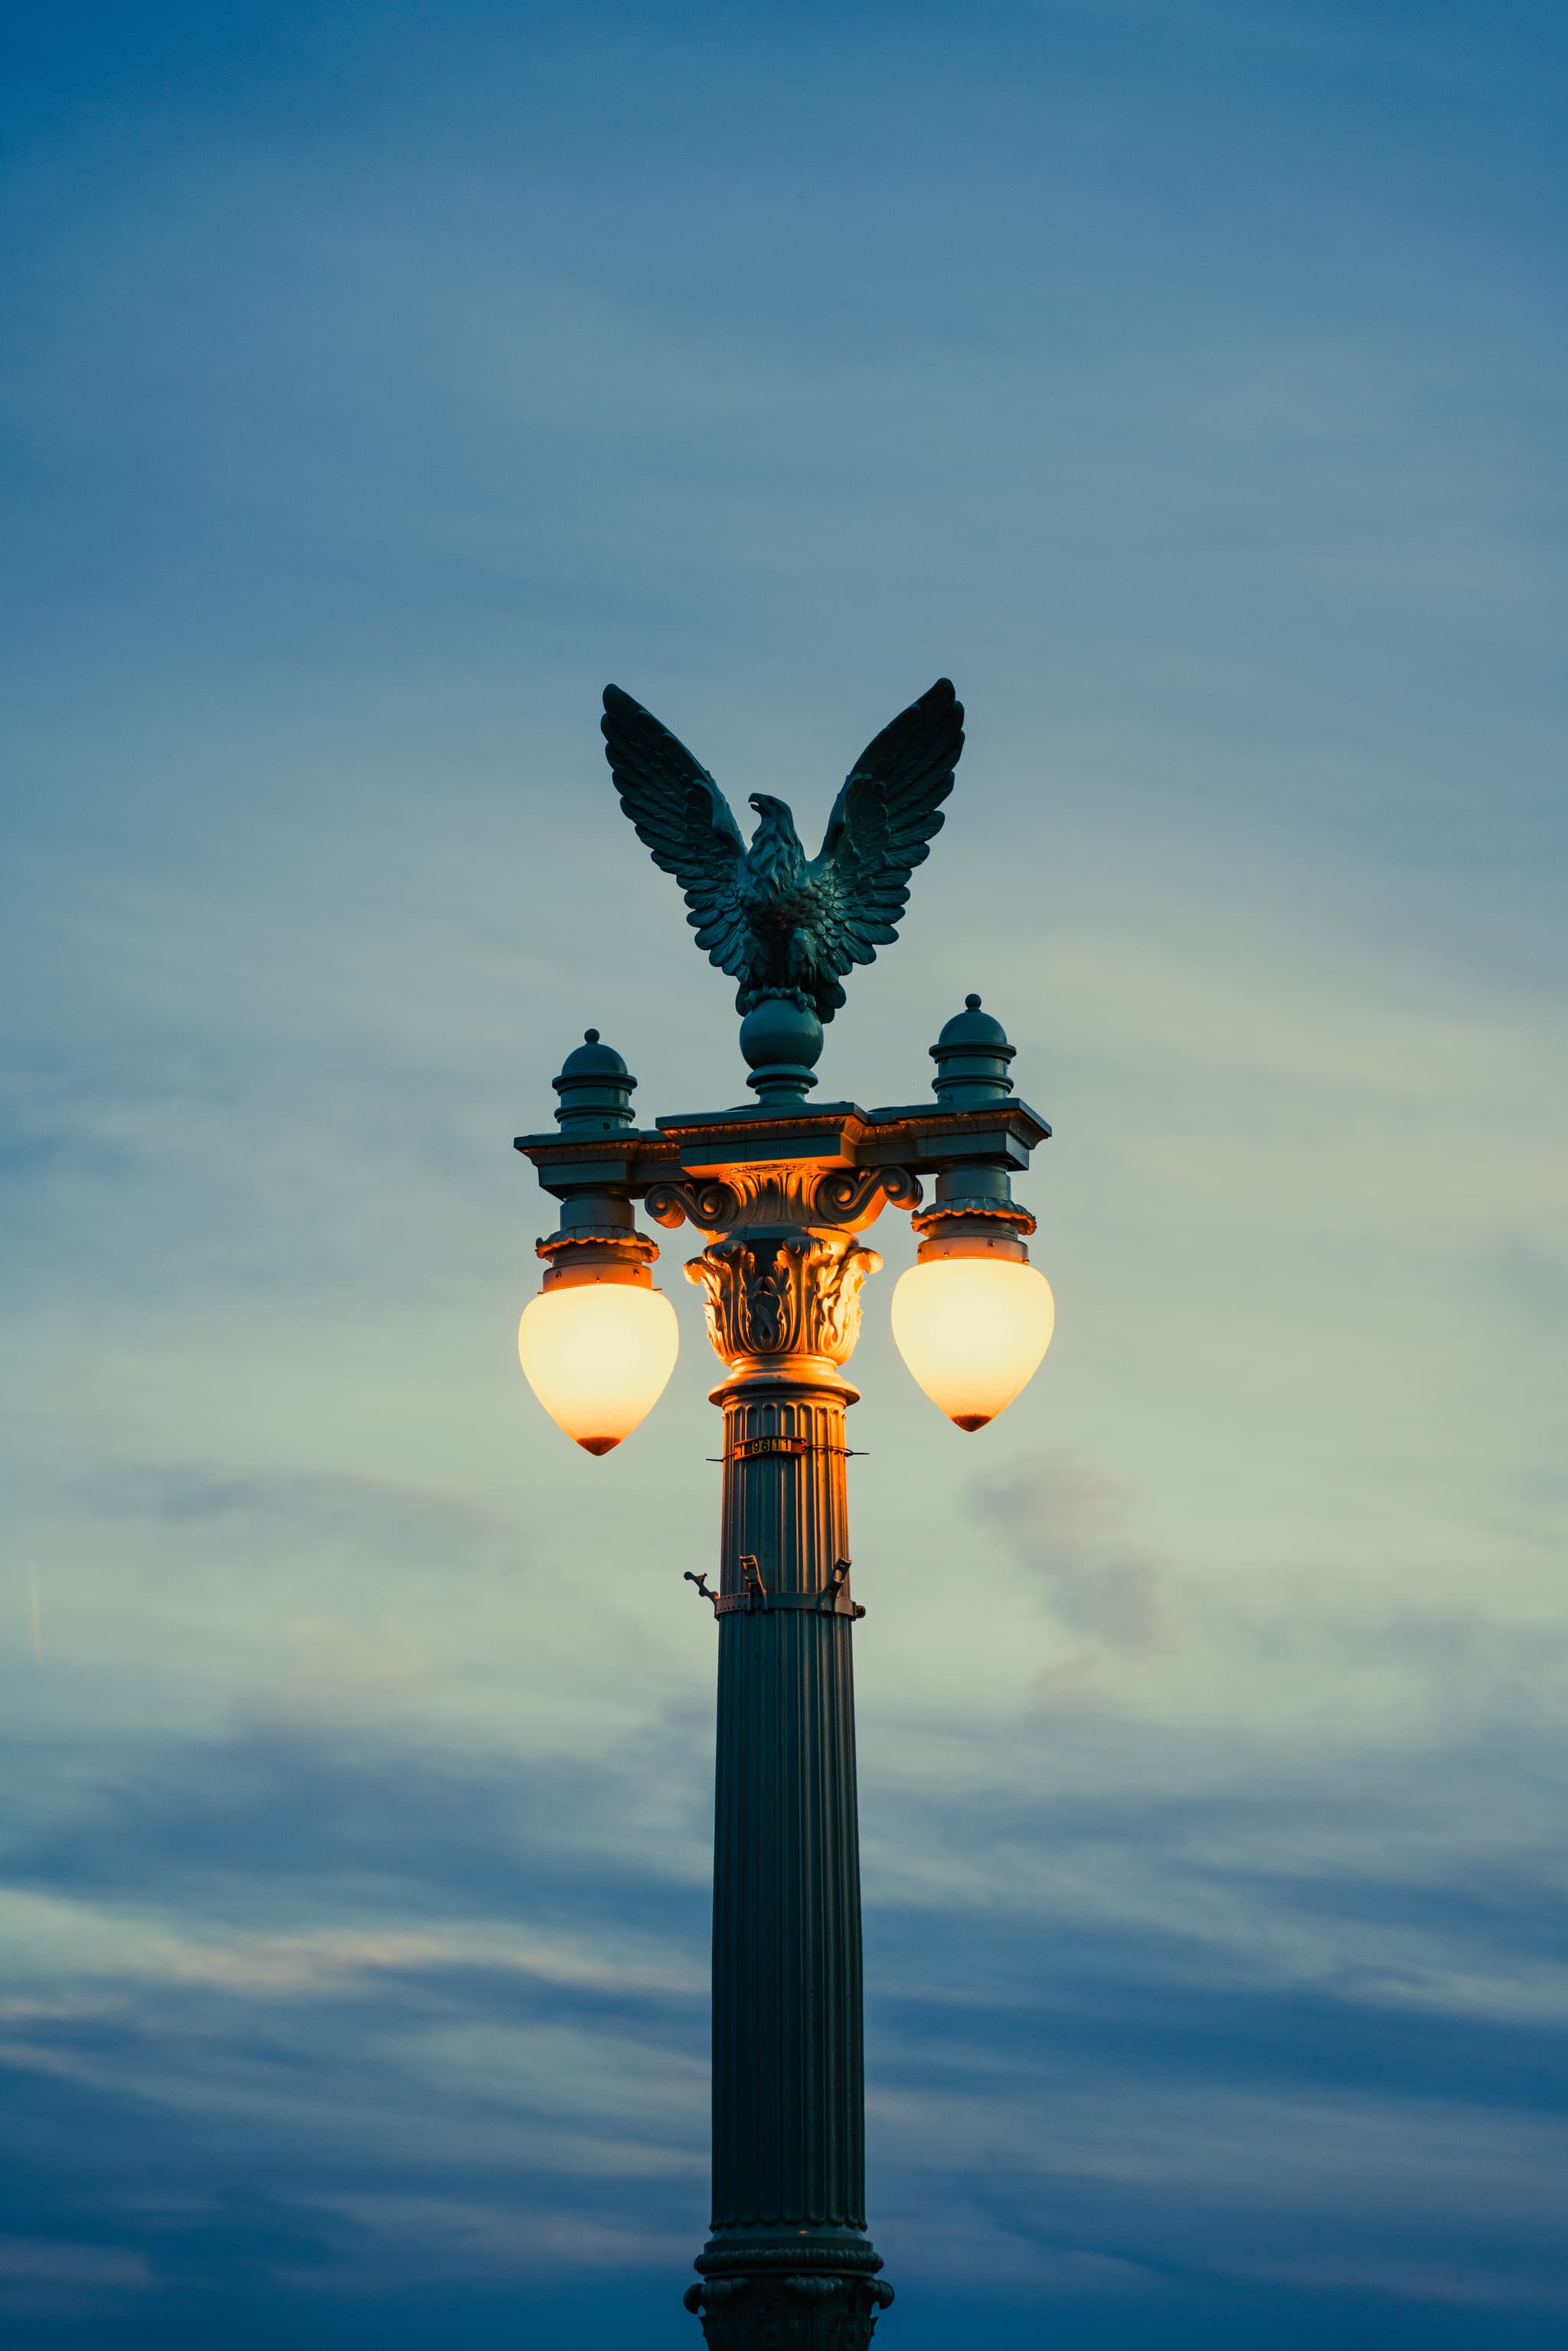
(1187, 382)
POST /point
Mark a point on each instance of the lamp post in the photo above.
(780, 1192)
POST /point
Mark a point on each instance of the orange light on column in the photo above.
(972, 1330)
(597, 1354)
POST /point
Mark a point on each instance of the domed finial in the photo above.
(971, 1056)
(595, 1089)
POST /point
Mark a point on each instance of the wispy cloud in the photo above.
(1185, 382)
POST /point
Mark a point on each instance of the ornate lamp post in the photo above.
(780, 1192)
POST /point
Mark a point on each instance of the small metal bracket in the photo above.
(831, 1601)
(805, 1604)
(835, 1591)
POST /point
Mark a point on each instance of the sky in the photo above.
(1187, 383)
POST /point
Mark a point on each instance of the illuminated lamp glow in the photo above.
(972, 1330)
(597, 1354)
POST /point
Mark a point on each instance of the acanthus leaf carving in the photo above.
(775, 1295)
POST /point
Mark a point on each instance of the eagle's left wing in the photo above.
(889, 809)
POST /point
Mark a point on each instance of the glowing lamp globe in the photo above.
(972, 1330)
(596, 1354)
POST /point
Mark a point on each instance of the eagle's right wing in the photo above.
(684, 820)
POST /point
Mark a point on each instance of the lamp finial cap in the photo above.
(595, 1089)
(971, 1056)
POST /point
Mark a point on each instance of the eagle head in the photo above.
(775, 856)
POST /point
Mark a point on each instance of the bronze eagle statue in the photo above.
(780, 924)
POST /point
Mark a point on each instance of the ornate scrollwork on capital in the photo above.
(851, 1198)
(712, 1206)
(840, 1199)
(770, 1296)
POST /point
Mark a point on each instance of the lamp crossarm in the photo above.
(679, 1162)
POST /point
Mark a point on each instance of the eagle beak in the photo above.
(754, 799)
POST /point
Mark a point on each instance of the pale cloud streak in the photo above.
(1186, 385)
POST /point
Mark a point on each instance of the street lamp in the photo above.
(598, 1344)
(779, 1192)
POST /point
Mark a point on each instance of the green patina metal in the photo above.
(786, 927)
(780, 1194)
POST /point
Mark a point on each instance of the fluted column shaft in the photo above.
(788, 2098)
(789, 2261)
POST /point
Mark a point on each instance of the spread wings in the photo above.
(791, 935)
(681, 816)
(888, 811)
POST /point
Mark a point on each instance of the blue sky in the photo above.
(1187, 383)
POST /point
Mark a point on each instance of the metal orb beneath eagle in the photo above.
(787, 927)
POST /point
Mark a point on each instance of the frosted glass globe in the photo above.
(597, 1355)
(973, 1330)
